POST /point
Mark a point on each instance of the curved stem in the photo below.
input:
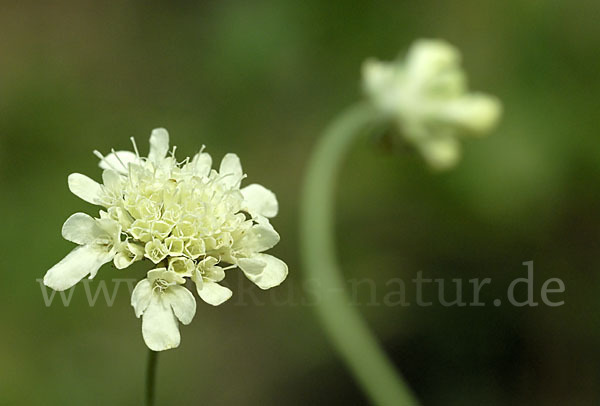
(151, 377)
(346, 328)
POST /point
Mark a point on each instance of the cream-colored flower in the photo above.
(99, 241)
(264, 270)
(206, 275)
(161, 300)
(156, 251)
(128, 254)
(188, 219)
(182, 266)
(426, 94)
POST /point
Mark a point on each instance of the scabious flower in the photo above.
(426, 94)
(188, 220)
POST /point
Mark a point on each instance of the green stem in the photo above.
(350, 334)
(151, 377)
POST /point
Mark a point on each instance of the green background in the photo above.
(262, 79)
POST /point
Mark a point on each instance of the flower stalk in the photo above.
(348, 331)
(151, 377)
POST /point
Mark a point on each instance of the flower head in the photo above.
(427, 95)
(188, 220)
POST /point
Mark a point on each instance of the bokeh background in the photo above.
(262, 79)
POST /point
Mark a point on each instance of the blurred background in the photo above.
(262, 79)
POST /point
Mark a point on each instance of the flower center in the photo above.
(160, 285)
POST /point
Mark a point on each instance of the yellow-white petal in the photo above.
(441, 153)
(231, 170)
(427, 58)
(214, 274)
(119, 161)
(111, 229)
(260, 200)
(161, 273)
(156, 251)
(159, 326)
(378, 78)
(252, 267)
(476, 113)
(122, 260)
(141, 296)
(182, 301)
(81, 229)
(264, 270)
(128, 254)
(202, 163)
(213, 293)
(261, 236)
(112, 180)
(181, 265)
(85, 188)
(159, 144)
(82, 261)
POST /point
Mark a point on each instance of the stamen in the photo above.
(135, 148)
(161, 285)
(229, 267)
(102, 158)
(98, 154)
(130, 177)
(118, 159)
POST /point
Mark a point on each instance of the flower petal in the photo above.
(159, 144)
(119, 161)
(213, 293)
(74, 267)
(231, 170)
(202, 163)
(85, 188)
(182, 301)
(260, 237)
(273, 272)
(214, 274)
(127, 254)
(475, 112)
(440, 152)
(427, 58)
(252, 267)
(159, 326)
(112, 230)
(161, 273)
(81, 229)
(260, 200)
(141, 296)
(112, 180)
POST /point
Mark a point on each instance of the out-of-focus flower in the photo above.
(188, 220)
(427, 95)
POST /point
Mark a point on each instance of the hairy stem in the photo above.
(346, 328)
(151, 377)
